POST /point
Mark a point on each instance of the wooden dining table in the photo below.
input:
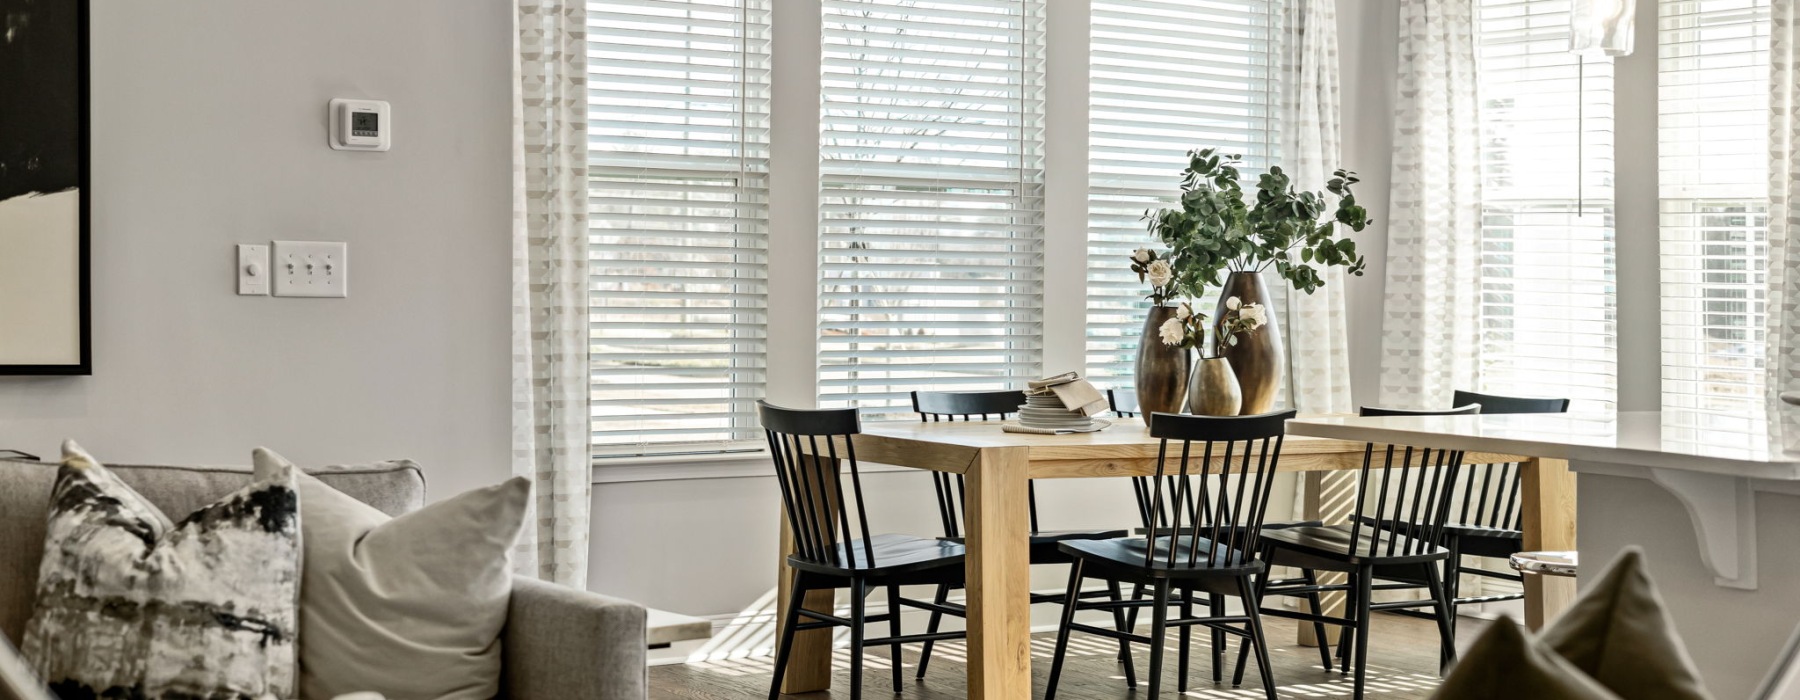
(997, 466)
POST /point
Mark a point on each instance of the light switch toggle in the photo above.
(252, 270)
(312, 269)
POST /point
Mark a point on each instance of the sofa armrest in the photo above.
(561, 642)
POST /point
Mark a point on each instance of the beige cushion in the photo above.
(392, 487)
(410, 607)
(1504, 664)
(1618, 633)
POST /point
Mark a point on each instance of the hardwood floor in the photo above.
(1402, 666)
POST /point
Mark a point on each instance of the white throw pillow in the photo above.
(131, 605)
(409, 607)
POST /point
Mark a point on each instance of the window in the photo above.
(1713, 131)
(931, 198)
(678, 160)
(1547, 285)
(1167, 76)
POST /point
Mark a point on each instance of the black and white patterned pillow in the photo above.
(130, 605)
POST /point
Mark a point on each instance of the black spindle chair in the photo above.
(936, 406)
(1486, 509)
(1211, 489)
(834, 549)
(1123, 402)
(1410, 486)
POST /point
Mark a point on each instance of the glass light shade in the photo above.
(1601, 27)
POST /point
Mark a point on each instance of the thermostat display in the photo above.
(360, 125)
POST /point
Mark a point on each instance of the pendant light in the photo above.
(1596, 28)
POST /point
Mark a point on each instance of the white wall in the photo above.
(209, 122)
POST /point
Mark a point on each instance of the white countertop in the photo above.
(1747, 446)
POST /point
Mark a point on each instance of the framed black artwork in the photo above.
(44, 188)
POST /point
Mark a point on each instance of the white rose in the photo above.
(1142, 255)
(1160, 273)
(1233, 302)
(1254, 314)
(1172, 332)
(1184, 312)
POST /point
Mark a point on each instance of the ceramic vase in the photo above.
(1213, 389)
(1258, 359)
(1162, 370)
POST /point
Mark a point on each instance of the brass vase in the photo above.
(1213, 389)
(1162, 370)
(1258, 358)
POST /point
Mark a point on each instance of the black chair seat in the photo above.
(893, 554)
(1043, 544)
(1333, 542)
(1455, 529)
(1129, 552)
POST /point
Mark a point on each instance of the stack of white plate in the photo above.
(1048, 412)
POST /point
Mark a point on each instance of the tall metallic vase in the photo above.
(1258, 358)
(1162, 370)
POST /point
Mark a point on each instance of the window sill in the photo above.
(715, 465)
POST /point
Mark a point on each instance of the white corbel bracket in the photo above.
(1723, 511)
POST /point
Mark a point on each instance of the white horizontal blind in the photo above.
(678, 160)
(1547, 282)
(931, 198)
(1713, 134)
(1168, 76)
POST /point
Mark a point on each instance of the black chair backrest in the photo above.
(1213, 492)
(1492, 404)
(1124, 402)
(934, 406)
(1494, 502)
(951, 405)
(804, 444)
(1412, 493)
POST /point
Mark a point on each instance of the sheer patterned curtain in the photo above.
(1784, 200)
(550, 286)
(1318, 330)
(1434, 232)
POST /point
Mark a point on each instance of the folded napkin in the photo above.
(1098, 426)
(1075, 393)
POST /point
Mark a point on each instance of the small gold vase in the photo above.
(1213, 389)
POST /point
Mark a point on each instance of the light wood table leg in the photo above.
(1548, 519)
(999, 571)
(809, 669)
(1327, 496)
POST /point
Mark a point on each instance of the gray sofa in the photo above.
(559, 643)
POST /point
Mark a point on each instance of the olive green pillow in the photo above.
(1619, 634)
(1504, 664)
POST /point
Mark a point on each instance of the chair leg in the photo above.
(1347, 640)
(1253, 608)
(1365, 582)
(1453, 578)
(788, 623)
(1063, 630)
(859, 590)
(1262, 591)
(1446, 624)
(1137, 593)
(1159, 629)
(1120, 625)
(1316, 605)
(893, 593)
(943, 596)
(1187, 642)
(1216, 608)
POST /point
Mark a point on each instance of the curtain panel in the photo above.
(1434, 230)
(1784, 202)
(550, 373)
(1318, 330)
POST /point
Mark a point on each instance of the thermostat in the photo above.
(361, 125)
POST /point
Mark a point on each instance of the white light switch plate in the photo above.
(311, 269)
(252, 270)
